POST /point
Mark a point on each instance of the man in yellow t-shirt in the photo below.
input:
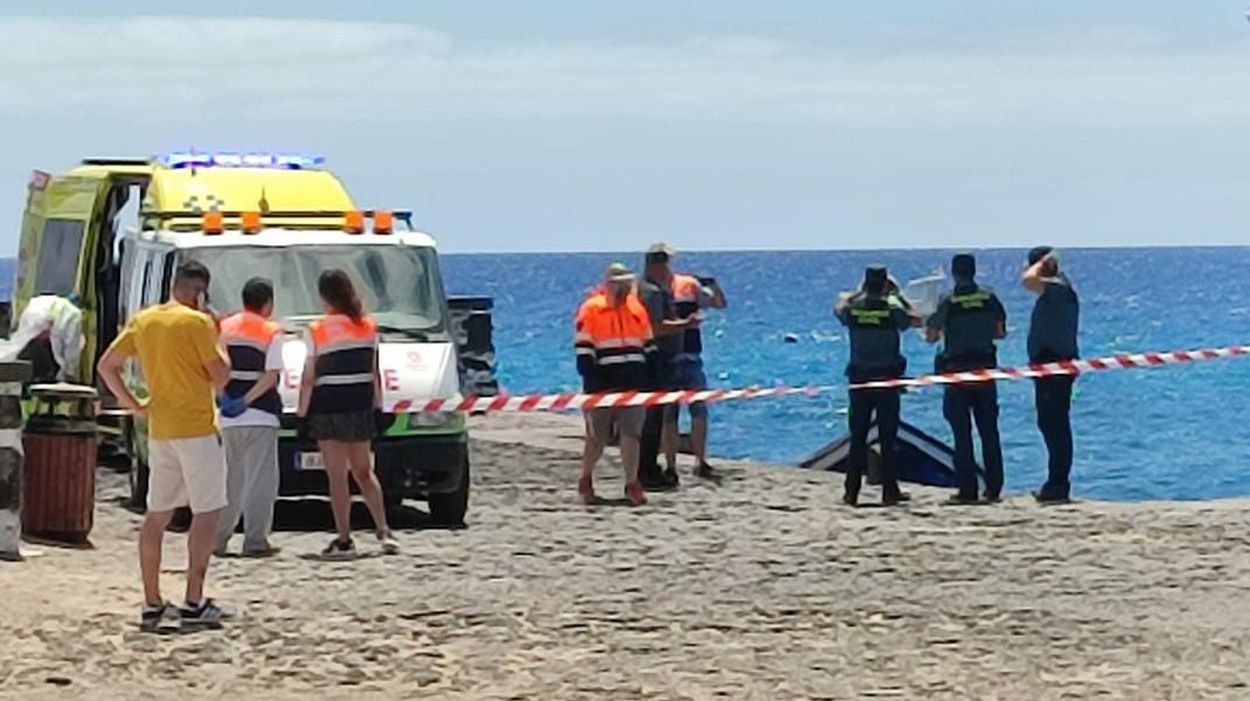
(184, 366)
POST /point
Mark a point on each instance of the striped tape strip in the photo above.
(563, 402)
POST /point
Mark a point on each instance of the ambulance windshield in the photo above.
(399, 285)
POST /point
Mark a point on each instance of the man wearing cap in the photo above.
(656, 291)
(876, 315)
(615, 353)
(691, 295)
(1053, 338)
(969, 320)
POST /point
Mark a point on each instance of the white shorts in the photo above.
(187, 472)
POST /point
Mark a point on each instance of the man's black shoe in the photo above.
(962, 500)
(1050, 499)
(656, 483)
(670, 477)
(895, 498)
(851, 500)
(991, 498)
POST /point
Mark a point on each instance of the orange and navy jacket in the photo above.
(687, 291)
(247, 337)
(615, 347)
(346, 359)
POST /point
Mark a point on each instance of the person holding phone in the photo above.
(177, 347)
(340, 406)
(691, 295)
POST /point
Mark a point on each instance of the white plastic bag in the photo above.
(925, 293)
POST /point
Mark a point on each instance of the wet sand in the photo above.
(759, 589)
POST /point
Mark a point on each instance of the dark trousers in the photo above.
(649, 446)
(1053, 396)
(963, 404)
(884, 404)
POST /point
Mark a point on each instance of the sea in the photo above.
(1179, 432)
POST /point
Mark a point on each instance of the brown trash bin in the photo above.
(58, 495)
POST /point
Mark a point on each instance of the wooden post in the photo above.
(12, 377)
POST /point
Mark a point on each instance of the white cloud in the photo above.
(153, 67)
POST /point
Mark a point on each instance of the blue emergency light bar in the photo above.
(192, 159)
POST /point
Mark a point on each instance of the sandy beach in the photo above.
(763, 588)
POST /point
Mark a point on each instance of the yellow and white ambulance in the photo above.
(112, 233)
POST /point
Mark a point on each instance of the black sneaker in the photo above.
(962, 500)
(655, 483)
(671, 478)
(339, 550)
(851, 500)
(159, 618)
(991, 497)
(707, 472)
(205, 614)
(1050, 499)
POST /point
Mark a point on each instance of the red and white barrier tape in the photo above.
(564, 402)
(1122, 361)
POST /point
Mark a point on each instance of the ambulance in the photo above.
(113, 231)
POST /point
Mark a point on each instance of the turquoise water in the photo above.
(1178, 432)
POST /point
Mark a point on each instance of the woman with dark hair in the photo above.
(340, 396)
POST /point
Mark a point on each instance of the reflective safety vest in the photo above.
(247, 337)
(346, 359)
(614, 344)
(686, 291)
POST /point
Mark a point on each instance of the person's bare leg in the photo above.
(335, 455)
(629, 456)
(669, 439)
(367, 482)
(201, 538)
(698, 437)
(151, 537)
(591, 452)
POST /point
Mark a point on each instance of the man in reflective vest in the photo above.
(615, 353)
(251, 412)
(875, 315)
(969, 319)
(691, 295)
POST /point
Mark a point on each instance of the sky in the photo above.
(723, 124)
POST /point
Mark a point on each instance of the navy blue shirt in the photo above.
(1056, 317)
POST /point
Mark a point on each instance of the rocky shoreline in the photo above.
(761, 588)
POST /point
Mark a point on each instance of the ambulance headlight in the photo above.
(431, 419)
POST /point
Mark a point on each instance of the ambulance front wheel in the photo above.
(448, 509)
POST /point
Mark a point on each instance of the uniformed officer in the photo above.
(1053, 338)
(969, 320)
(875, 315)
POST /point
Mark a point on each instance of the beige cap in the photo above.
(618, 272)
(661, 247)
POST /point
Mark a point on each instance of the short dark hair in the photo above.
(257, 292)
(192, 271)
(656, 258)
(964, 266)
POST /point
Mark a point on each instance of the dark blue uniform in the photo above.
(969, 319)
(1052, 338)
(874, 324)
